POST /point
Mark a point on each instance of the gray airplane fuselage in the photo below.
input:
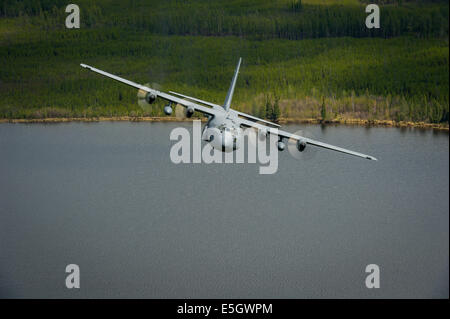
(222, 132)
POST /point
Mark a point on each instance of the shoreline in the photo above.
(359, 122)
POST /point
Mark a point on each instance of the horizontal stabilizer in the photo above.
(251, 117)
(195, 99)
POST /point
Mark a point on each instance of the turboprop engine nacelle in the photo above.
(301, 145)
(262, 134)
(189, 111)
(150, 97)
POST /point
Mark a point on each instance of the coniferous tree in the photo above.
(323, 109)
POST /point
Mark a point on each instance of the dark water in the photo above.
(107, 197)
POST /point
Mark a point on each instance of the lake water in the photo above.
(106, 196)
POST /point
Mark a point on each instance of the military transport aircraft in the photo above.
(224, 127)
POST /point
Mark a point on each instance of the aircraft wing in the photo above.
(165, 96)
(251, 117)
(195, 99)
(309, 141)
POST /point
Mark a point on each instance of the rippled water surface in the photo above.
(106, 196)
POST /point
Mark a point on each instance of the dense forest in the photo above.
(302, 59)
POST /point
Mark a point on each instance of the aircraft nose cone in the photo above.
(227, 142)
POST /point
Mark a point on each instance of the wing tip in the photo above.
(371, 158)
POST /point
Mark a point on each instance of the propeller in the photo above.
(142, 97)
(182, 112)
(299, 149)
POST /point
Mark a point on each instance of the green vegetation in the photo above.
(302, 59)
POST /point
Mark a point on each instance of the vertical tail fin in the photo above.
(229, 97)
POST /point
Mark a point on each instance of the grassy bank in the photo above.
(340, 121)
